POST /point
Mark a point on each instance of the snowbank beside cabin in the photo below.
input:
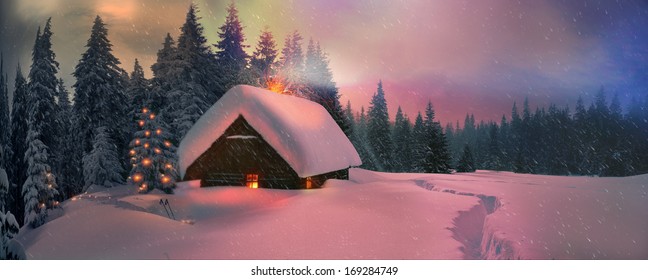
(493, 215)
(301, 131)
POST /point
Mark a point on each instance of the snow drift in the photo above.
(483, 215)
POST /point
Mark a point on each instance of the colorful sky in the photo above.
(464, 56)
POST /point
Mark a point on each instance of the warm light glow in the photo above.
(137, 177)
(157, 151)
(168, 166)
(146, 162)
(275, 85)
(152, 116)
(167, 143)
(137, 142)
(147, 133)
(146, 145)
(132, 152)
(145, 110)
(166, 179)
(309, 182)
(252, 181)
(141, 123)
(158, 131)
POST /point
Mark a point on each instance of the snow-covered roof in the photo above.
(301, 131)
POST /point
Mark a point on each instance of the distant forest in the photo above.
(595, 140)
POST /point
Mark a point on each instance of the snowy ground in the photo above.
(373, 216)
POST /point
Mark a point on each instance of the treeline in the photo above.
(401, 146)
(598, 140)
(119, 124)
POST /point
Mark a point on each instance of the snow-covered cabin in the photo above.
(258, 138)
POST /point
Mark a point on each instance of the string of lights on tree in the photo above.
(152, 155)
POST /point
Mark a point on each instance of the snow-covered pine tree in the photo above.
(437, 156)
(231, 56)
(418, 144)
(189, 80)
(99, 92)
(4, 186)
(198, 71)
(39, 190)
(18, 167)
(320, 87)
(101, 166)
(166, 75)
(153, 155)
(466, 162)
(138, 95)
(43, 88)
(362, 144)
(4, 115)
(263, 61)
(378, 131)
(10, 249)
(291, 65)
(137, 90)
(69, 175)
(494, 155)
(401, 137)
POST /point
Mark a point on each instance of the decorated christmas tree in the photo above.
(152, 155)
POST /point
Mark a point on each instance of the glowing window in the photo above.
(309, 183)
(252, 181)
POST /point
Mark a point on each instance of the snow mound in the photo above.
(301, 131)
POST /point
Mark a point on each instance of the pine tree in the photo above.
(291, 65)
(69, 176)
(195, 84)
(138, 94)
(137, 90)
(494, 159)
(4, 187)
(153, 155)
(320, 87)
(418, 145)
(4, 115)
(166, 76)
(231, 55)
(264, 58)
(39, 190)
(18, 168)
(42, 87)
(466, 162)
(101, 166)
(401, 137)
(99, 92)
(362, 144)
(10, 249)
(378, 131)
(437, 157)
